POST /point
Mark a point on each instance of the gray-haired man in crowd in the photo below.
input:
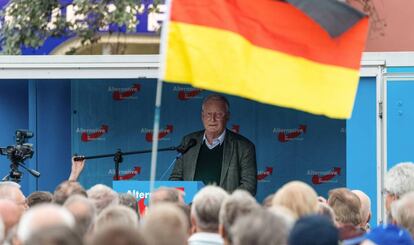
(399, 180)
(205, 216)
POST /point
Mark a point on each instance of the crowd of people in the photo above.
(293, 215)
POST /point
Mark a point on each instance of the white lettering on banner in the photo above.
(330, 172)
(139, 195)
(91, 130)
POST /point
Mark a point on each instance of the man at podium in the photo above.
(216, 155)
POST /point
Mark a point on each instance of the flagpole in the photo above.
(157, 112)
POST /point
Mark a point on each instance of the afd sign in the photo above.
(149, 23)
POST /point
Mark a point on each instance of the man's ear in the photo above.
(222, 232)
(193, 224)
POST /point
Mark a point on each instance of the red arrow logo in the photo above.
(285, 137)
(88, 137)
(264, 174)
(317, 180)
(183, 95)
(141, 206)
(161, 134)
(235, 128)
(128, 176)
(118, 95)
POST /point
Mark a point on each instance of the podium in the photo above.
(141, 189)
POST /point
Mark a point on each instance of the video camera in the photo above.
(18, 153)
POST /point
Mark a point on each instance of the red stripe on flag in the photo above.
(277, 26)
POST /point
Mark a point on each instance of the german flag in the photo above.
(273, 52)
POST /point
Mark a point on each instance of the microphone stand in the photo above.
(118, 156)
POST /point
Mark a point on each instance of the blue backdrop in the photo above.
(118, 114)
(99, 116)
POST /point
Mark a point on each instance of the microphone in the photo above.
(184, 148)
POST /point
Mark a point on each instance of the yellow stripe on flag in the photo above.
(224, 61)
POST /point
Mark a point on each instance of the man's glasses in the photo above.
(211, 115)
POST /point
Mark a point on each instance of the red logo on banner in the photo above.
(288, 135)
(95, 135)
(168, 129)
(317, 180)
(121, 95)
(186, 95)
(130, 174)
(265, 174)
(235, 128)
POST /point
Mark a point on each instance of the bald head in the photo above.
(43, 216)
(10, 213)
(365, 206)
(11, 191)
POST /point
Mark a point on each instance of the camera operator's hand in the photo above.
(77, 168)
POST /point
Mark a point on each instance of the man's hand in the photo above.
(77, 167)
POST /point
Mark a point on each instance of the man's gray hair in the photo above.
(365, 205)
(165, 224)
(238, 204)
(43, 216)
(84, 212)
(102, 196)
(166, 194)
(116, 215)
(400, 179)
(260, 227)
(216, 97)
(402, 211)
(206, 207)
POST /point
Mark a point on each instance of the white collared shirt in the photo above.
(216, 141)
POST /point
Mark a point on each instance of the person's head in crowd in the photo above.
(10, 213)
(238, 204)
(129, 200)
(43, 216)
(297, 196)
(167, 194)
(260, 227)
(118, 235)
(116, 215)
(386, 234)
(38, 197)
(165, 224)
(102, 196)
(187, 211)
(365, 208)
(399, 180)
(11, 190)
(402, 212)
(284, 213)
(314, 230)
(56, 235)
(346, 206)
(215, 108)
(325, 210)
(267, 202)
(83, 211)
(205, 208)
(66, 189)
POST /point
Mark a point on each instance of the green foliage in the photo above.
(30, 22)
